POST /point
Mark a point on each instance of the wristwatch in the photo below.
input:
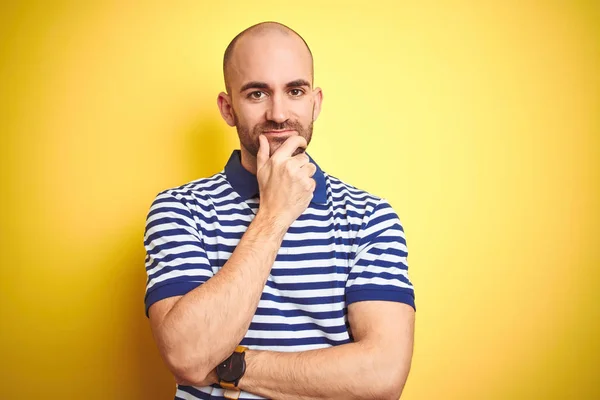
(231, 371)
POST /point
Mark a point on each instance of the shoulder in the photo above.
(345, 195)
(195, 196)
(369, 212)
(203, 188)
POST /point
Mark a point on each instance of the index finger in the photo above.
(289, 146)
(263, 152)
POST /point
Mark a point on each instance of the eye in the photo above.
(296, 92)
(257, 95)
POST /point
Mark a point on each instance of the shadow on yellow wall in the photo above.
(206, 143)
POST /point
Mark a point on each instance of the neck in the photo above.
(248, 161)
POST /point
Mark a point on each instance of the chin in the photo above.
(276, 141)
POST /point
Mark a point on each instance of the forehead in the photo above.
(274, 59)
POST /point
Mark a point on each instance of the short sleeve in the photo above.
(380, 269)
(176, 261)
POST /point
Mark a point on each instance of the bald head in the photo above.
(249, 37)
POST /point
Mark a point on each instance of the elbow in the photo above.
(189, 377)
(187, 371)
(390, 391)
(391, 383)
(387, 391)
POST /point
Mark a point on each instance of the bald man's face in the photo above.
(270, 82)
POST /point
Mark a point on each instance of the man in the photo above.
(273, 279)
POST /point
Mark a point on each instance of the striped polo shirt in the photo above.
(347, 246)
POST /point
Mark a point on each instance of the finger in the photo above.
(310, 169)
(313, 185)
(263, 152)
(300, 160)
(289, 146)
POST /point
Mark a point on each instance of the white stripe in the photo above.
(304, 334)
(301, 319)
(305, 294)
(377, 281)
(314, 308)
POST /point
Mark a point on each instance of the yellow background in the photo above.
(478, 120)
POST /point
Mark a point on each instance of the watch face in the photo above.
(232, 369)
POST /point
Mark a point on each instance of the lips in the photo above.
(282, 132)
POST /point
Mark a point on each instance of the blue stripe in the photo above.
(305, 285)
(382, 275)
(300, 313)
(291, 342)
(277, 271)
(303, 300)
(265, 327)
(381, 293)
(389, 249)
(380, 263)
(171, 245)
(341, 214)
(183, 267)
(331, 255)
(322, 229)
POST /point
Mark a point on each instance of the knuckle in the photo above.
(276, 160)
(289, 167)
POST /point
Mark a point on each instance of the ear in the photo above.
(318, 98)
(226, 108)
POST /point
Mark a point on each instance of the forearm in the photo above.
(350, 371)
(222, 307)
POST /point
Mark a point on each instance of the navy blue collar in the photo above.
(246, 185)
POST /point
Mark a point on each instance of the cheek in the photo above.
(250, 116)
(296, 107)
(305, 112)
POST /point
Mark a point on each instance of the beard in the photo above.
(249, 136)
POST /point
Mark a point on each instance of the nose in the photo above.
(277, 110)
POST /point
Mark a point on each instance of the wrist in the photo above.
(271, 224)
(212, 377)
(246, 378)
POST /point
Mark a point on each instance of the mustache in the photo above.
(274, 126)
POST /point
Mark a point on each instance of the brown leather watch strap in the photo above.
(231, 394)
(228, 385)
(240, 349)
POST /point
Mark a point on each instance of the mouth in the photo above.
(279, 132)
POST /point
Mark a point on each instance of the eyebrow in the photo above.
(297, 83)
(263, 85)
(254, 85)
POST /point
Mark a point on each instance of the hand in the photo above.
(285, 181)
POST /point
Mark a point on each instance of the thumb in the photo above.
(263, 152)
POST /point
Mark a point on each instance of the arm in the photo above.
(380, 302)
(222, 307)
(184, 327)
(375, 366)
